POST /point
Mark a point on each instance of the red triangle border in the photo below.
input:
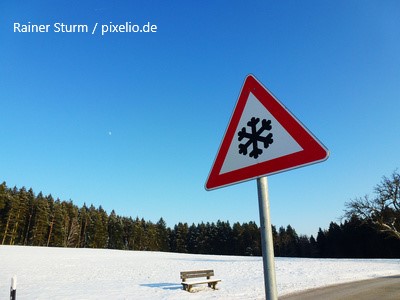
(313, 150)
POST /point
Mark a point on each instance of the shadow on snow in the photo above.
(163, 285)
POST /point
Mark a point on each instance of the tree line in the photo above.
(39, 220)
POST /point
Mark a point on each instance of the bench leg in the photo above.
(212, 285)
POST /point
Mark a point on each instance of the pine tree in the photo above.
(91, 228)
(251, 239)
(84, 218)
(334, 241)
(181, 231)
(151, 237)
(162, 235)
(20, 221)
(3, 196)
(100, 220)
(71, 224)
(9, 211)
(115, 232)
(29, 217)
(57, 230)
(3, 216)
(139, 235)
(304, 247)
(201, 239)
(223, 243)
(313, 247)
(275, 238)
(128, 235)
(237, 233)
(192, 239)
(321, 241)
(292, 242)
(41, 221)
(211, 233)
(51, 218)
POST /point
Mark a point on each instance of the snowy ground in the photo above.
(60, 273)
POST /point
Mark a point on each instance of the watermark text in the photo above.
(96, 28)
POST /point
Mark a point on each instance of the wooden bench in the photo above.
(187, 285)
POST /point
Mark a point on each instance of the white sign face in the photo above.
(282, 142)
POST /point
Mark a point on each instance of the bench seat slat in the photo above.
(194, 274)
(200, 281)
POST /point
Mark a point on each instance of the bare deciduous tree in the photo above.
(383, 210)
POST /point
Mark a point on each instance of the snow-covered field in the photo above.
(61, 273)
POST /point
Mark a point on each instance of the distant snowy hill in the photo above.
(65, 273)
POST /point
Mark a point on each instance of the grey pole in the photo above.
(266, 240)
(13, 289)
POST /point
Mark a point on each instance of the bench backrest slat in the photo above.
(195, 274)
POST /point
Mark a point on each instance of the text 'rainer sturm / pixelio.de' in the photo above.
(103, 29)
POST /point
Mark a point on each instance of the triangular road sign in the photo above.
(262, 138)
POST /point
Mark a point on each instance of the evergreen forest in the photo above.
(33, 219)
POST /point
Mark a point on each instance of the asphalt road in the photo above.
(384, 288)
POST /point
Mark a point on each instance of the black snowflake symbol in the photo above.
(255, 136)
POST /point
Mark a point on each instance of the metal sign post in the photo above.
(266, 240)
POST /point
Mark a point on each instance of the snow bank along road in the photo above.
(62, 273)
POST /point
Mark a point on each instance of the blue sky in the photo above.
(133, 121)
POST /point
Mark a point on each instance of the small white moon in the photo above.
(109, 133)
